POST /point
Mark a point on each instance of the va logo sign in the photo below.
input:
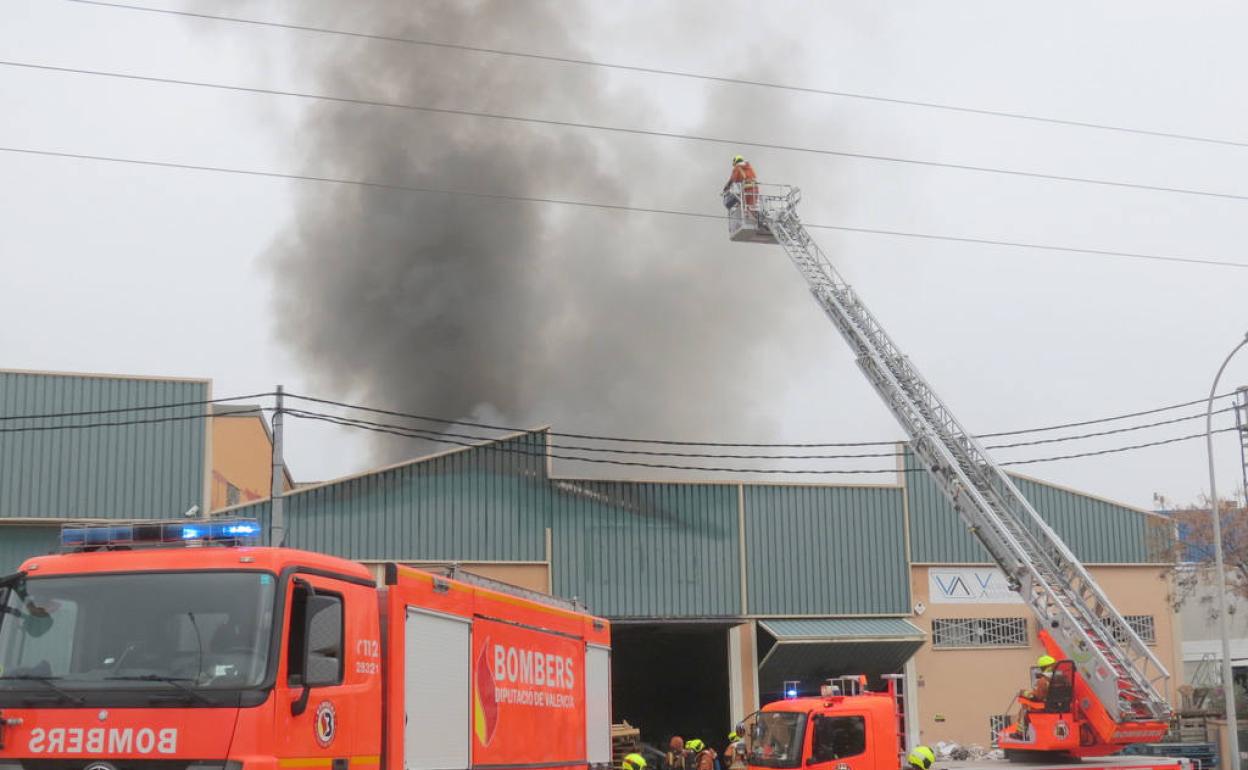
(969, 586)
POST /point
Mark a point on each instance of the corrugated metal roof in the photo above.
(17, 544)
(826, 550)
(148, 470)
(1096, 530)
(841, 628)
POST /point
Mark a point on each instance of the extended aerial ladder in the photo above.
(1122, 674)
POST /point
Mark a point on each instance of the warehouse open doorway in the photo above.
(671, 679)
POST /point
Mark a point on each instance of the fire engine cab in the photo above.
(181, 645)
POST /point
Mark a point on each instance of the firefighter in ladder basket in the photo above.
(743, 174)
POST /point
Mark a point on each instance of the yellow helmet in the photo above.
(732, 736)
(737, 159)
(921, 758)
(1044, 661)
(634, 761)
(695, 744)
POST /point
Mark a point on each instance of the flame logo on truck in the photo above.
(484, 700)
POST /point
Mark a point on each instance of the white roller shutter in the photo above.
(437, 686)
(598, 705)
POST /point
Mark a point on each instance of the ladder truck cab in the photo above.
(851, 728)
(180, 646)
(1112, 693)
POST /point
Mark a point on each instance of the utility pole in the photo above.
(1224, 631)
(277, 519)
(1241, 426)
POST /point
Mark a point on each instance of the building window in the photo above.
(232, 496)
(1143, 626)
(979, 632)
(997, 723)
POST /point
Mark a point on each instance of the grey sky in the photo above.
(129, 269)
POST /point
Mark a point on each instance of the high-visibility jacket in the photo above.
(744, 172)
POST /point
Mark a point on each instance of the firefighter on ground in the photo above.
(676, 757)
(743, 174)
(633, 761)
(703, 756)
(734, 754)
(922, 758)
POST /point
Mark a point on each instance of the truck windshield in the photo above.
(175, 631)
(776, 739)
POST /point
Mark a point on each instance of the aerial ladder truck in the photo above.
(1110, 692)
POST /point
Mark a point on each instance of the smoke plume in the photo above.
(524, 313)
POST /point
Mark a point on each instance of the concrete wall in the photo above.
(959, 689)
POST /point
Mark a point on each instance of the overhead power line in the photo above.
(799, 445)
(607, 450)
(120, 423)
(495, 445)
(679, 74)
(124, 409)
(738, 143)
(732, 456)
(593, 205)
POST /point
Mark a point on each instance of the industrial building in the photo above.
(722, 594)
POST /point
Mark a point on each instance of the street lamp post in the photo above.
(1228, 682)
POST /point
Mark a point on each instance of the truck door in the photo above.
(839, 742)
(328, 693)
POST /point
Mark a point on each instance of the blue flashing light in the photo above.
(790, 693)
(234, 530)
(229, 532)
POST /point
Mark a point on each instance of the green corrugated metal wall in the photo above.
(826, 551)
(20, 543)
(146, 470)
(634, 549)
(483, 504)
(1097, 531)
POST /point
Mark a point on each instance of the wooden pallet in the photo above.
(625, 739)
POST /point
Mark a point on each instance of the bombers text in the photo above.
(103, 740)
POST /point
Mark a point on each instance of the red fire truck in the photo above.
(211, 654)
(849, 728)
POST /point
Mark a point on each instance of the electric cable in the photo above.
(602, 206)
(676, 73)
(744, 445)
(441, 437)
(1112, 432)
(643, 132)
(730, 456)
(495, 446)
(123, 423)
(142, 408)
(605, 450)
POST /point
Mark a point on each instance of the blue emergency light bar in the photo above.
(226, 532)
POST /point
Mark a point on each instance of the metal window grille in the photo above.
(979, 632)
(1143, 626)
(997, 723)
